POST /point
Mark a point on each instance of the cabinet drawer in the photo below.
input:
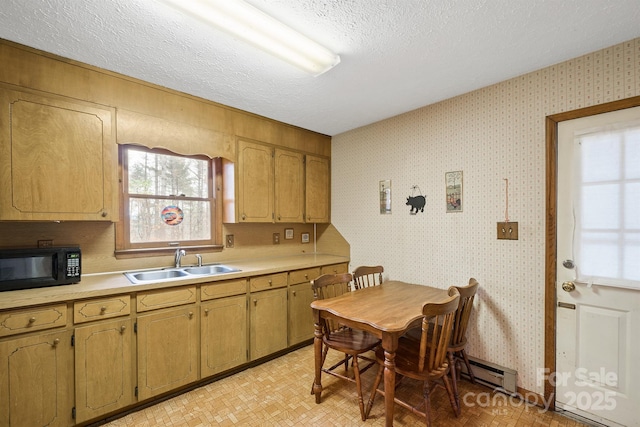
(32, 319)
(104, 308)
(162, 298)
(335, 268)
(271, 281)
(223, 289)
(303, 276)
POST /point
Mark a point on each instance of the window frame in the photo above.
(125, 249)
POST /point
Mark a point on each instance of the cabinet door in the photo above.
(36, 381)
(300, 313)
(167, 350)
(268, 322)
(317, 189)
(223, 334)
(289, 186)
(104, 376)
(255, 182)
(58, 159)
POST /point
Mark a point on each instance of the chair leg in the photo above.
(356, 373)
(376, 383)
(427, 403)
(452, 397)
(454, 381)
(466, 361)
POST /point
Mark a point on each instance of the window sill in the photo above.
(149, 252)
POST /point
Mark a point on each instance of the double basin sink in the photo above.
(167, 274)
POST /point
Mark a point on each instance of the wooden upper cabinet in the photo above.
(58, 158)
(270, 184)
(289, 186)
(317, 189)
(255, 182)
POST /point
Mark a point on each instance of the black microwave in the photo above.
(23, 268)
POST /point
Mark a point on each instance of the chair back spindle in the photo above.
(365, 276)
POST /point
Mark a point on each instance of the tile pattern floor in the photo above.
(277, 393)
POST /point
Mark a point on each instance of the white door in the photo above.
(598, 279)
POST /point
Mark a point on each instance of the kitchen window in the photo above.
(167, 201)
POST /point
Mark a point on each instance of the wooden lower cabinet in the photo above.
(300, 314)
(104, 373)
(300, 298)
(223, 334)
(167, 350)
(268, 314)
(36, 380)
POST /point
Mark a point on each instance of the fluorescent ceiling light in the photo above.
(244, 21)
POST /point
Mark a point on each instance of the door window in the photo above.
(607, 199)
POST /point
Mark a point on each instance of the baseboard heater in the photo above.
(492, 375)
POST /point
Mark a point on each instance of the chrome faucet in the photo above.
(199, 258)
(179, 254)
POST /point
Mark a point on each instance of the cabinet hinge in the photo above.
(73, 340)
(73, 413)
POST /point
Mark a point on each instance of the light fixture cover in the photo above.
(250, 24)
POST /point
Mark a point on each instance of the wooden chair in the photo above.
(425, 360)
(455, 351)
(352, 342)
(459, 336)
(365, 276)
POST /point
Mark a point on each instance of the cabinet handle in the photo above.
(123, 328)
(104, 214)
(32, 320)
(270, 283)
(294, 293)
(244, 216)
(255, 302)
(306, 276)
(190, 314)
(103, 309)
(55, 342)
(206, 311)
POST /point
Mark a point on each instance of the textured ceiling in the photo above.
(397, 55)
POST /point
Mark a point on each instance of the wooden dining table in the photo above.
(387, 311)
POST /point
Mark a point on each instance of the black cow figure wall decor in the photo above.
(416, 202)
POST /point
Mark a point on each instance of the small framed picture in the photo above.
(305, 237)
(385, 196)
(454, 191)
(288, 233)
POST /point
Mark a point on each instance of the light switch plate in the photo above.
(229, 240)
(507, 231)
(276, 238)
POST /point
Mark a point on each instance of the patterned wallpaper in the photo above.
(491, 134)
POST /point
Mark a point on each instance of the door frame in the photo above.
(551, 136)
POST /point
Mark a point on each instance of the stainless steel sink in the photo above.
(155, 275)
(210, 269)
(168, 274)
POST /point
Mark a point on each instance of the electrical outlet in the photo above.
(276, 238)
(45, 243)
(507, 231)
(229, 240)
